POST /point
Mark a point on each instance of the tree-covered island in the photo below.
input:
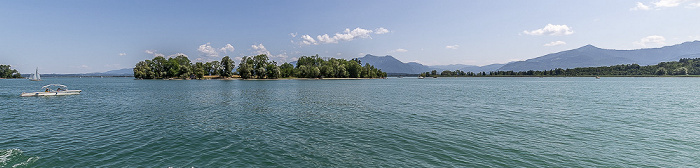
(7, 72)
(254, 67)
(683, 67)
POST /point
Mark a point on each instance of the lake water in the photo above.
(408, 122)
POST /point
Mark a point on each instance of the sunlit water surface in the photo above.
(407, 122)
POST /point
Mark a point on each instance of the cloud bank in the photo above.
(400, 50)
(454, 47)
(662, 4)
(209, 51)
(552, 30)
(653, 40)
(347, 35)
(554, 43)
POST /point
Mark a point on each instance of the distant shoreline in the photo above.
(265, 79)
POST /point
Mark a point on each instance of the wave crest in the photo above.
(15, 158)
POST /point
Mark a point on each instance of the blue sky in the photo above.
(97, 36)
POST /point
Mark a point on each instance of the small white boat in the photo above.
(35, 76)
(50, 91)
(421, 77)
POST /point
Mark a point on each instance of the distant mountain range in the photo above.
(586, 56)
(591, 56)
(119, 72)
(391, 65)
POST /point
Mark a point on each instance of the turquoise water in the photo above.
(444, 122)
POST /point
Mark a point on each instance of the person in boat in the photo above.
(58, 90)
(47, 90)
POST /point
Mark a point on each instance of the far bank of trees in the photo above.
(257, 67)
(685, 66)
(7, 72)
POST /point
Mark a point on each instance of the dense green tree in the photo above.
(680, 71)
(199, 70)
(213, 68)
(354, 69)
(7, 72)
(227, 66)
(286, 70)
(661, 71)
(273, 71)
(245, 68)
(258, 66)
(342, 72)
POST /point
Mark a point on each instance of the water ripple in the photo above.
(450, 122)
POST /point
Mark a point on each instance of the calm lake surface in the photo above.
(407, 122)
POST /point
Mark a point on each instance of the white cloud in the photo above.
(660, 4)
(260, 49)
(81, 67)
(668, 3)
(552, 30)
(122, 54)
(207, 50)
(153, 52)
(381, 30)
(178, 54)
(293, 34)
(326, 39)
(400, 50)
(227, 48)
(338, 54)
(554, 43)
(308, 40)
(279, 58)
(454, 47)
(654, 40)
(347, 35)
(694, 5)
(210, 52)
(640, 6)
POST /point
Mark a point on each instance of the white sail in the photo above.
(35, 76)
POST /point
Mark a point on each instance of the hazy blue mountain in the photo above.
(485, 68)
(419, 68)
(451, 67)
(591, 56)
(390, 64)
(120, 71)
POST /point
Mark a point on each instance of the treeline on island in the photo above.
(254, 67)
(7, 72)
(685, 66)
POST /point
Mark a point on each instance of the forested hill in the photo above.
(258, 67)
(683, 67)
(591, 56)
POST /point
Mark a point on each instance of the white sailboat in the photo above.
(35, 76)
